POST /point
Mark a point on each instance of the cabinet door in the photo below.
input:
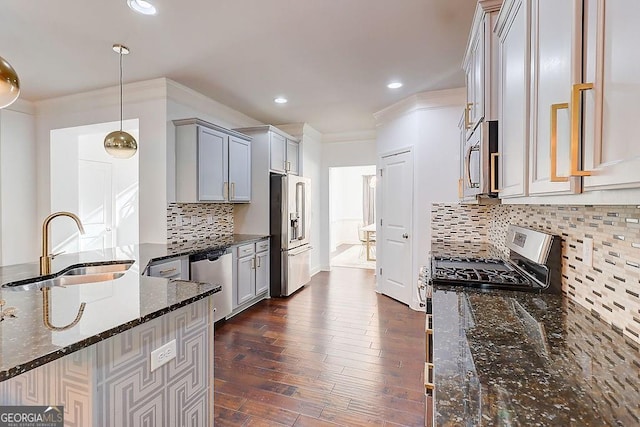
(514, 101)
(555, 39)
(246, 283)
(212, 165)
(239, 170)
(277, 152)
(262, 272)
(611, 109)
(477, 108)
(293, 156)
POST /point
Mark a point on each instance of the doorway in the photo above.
(352, 213)
(101, 190)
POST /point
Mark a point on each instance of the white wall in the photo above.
(19, 229)
(71, 146)
(428, 123)
(345, 200)
(145, 101)
(340, 150)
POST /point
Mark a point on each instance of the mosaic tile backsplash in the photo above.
(610, 288)
(191, 221)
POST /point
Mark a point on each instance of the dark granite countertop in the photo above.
(506, 358)
(111, 306)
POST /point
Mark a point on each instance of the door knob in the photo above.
(405, 236)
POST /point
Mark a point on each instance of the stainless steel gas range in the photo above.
(534, 265)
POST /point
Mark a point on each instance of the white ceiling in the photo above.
(331, 58)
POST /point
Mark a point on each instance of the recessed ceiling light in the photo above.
(281, 100)
(394, 85)
(142, 6)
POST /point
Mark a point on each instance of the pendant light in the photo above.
(120, 144)
(9, 84)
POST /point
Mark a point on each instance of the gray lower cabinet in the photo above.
(251, 274)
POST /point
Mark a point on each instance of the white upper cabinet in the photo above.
(553, 47)
(213, 164)
(610, 153)
(513, 94)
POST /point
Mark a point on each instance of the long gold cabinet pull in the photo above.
(225, 191)
(467, 115)
(576, 111)
(494, 172)
(233, 190)
(553, 151)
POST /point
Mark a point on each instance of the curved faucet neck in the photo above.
(45, 258)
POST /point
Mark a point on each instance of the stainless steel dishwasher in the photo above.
(215, 267)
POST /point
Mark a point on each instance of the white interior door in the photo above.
(396, 208)
(95, 205)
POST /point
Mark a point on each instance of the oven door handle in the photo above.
(468, 164)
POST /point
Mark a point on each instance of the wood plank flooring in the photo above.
(334, 353)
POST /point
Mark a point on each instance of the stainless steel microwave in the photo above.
(479, 169)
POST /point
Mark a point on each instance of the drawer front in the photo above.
(262, 245)
(245, 250)
(171, 268)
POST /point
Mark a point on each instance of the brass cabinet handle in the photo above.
(253, 263)
(428, 376)
(460, 190)
(168, 271)
(575, 128)
(494, 173)
(258, 262)
(467, 113)
(553, 151)
(225, 191)
(233, 191)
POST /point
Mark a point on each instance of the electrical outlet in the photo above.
(163, 355)
(210, 219)
(587, 251)
(194, 220)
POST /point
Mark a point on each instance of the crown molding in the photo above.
(22, 106)
(422, 101)
(146, 90)
(482, 9)
(185, 95)
(300, 130)
(367, 135)
(508, 7)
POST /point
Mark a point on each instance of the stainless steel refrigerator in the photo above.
(290, 223)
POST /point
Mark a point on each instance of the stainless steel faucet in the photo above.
(46, 257)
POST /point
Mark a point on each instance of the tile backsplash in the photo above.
(191, 221)
(610, 288)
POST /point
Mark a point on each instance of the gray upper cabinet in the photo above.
(213, 164)
(293, 152)
(278, 151)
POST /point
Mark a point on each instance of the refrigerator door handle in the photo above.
(295, 252)
(301, 208)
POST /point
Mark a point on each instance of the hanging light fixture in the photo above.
(119, 143)
(9, 84)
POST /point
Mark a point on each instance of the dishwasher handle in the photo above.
(213, 255)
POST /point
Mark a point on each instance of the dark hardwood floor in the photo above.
(334, 353)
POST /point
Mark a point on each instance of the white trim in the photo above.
(133, 93)
(22, 106)
(422, 101)
(353, 136)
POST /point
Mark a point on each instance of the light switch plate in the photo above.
(163, 355)
(587, 251)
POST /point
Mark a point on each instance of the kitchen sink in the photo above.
(74, 275)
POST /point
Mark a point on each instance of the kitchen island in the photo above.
(506, 358)
(99, 369)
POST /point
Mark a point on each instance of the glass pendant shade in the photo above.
(120, 144)
(9, 84)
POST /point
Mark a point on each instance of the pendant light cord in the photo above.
(121, 89)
